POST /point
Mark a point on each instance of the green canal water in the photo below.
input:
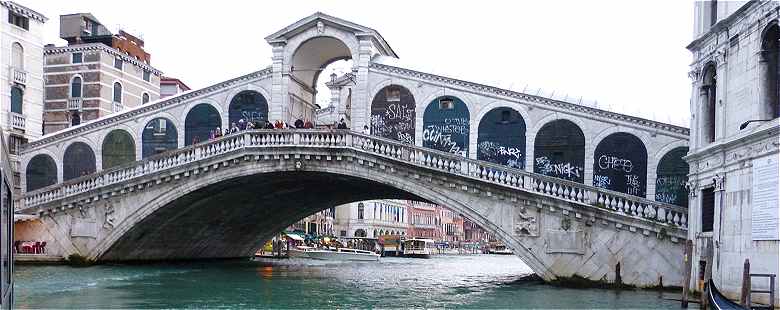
(474, 281)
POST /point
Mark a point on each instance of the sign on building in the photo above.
(765, 217)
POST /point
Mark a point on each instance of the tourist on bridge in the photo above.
(217, 132)
(241, 124)
(279, 124)
(268, 125)
(299, 123)
(233, 128)
(342, 124)
(308, 125)
(366, 130)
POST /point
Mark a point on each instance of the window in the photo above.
(17, 97)
(14, 142)
(19, 21)
(147, 75)
(707, 209)
(118, 63)
(75, 87)
(162, 126)
(75, 119)
(144, 98)
(117, 92)
(393, 94)
(77, 58)
(446, 104)
(17, 56)
(360, 211)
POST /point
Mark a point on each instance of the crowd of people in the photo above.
(264, 124)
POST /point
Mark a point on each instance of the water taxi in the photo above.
(422, 248)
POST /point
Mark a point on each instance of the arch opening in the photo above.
(707, 96)
(501, 138)
(41, 172)
(118, 149)
(78, 160)
(559, 151)
(769, 70)
(201, 120)
(248, 106)
(159, 136)
(671, 177)
(620, 164)
(393, 114)
(446, 123)
(310, 59)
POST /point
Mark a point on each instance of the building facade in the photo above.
(96, 74)
(317, 224)
(171, 86)
(21, 81)
(372, 218)
(735, 135)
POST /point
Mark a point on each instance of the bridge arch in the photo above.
(671, 177)
(249, 105)
(559, 150)
(78, 160)
(118, 148)
(620, 164)
(393, 113)
(129, 232)
(501, 137)
(41, 172)
(446, 125)
(200, 120)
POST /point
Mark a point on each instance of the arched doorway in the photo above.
(620, 164)
(446, 125)
(118, 149)
(248, 105)
(78, 160)
(501, 138)
(159, 136)
(41, 172)
(671, 176)
(393, 114)
(559, 151)
(202, 119)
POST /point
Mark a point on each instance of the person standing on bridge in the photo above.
(342, 124)
(366, 130)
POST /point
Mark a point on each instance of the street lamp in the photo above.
(745, 124)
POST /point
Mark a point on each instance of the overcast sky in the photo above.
(630, 56)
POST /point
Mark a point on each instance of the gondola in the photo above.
(717, 301)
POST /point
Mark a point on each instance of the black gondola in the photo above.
(717, 301)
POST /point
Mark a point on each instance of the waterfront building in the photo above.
(170, 86)
(474, 233)
(317, 224)
(451, 225)
(735, 135)
(21, 81)
(372, 218)
(425, 220)
(96, 74)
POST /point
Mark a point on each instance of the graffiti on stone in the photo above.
(615, 163)
(393, 115)
(446, 126)
(620, 164)
(501, 138)
(559, 151)
(602, 181)
(563, 170)
(671, 177)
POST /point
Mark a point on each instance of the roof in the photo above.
(87, 15)
(100, 46)
(170, 80)
(24, 11)
(306, 23)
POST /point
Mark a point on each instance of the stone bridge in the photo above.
(150, 183)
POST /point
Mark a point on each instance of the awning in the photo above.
(24, 217)
(296, 237)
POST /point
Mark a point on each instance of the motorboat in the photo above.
(717, 301)
(420, 248)
(338, 254)
(500, 249)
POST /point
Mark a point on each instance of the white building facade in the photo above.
(372, 218)
(735, 135)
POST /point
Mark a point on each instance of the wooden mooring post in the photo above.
(745, 297)
(688, 265)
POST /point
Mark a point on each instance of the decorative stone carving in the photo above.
(110, 220)
(694, 74)
(320, 27)
(719, 182)
(692, 186)
(526, 222)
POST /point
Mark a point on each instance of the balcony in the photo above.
(16, 121)
(18, 76)
(117, 107)
(74, 104)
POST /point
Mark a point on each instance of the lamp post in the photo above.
(745, 124)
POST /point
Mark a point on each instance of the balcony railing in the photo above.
(117, 107)
(74, 103)
(17, 76)
(16, 120)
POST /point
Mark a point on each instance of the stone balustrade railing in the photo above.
(16, 120)
(623, 204)
(18, 76)
(74, 103)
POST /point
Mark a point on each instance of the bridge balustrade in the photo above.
(578, 193)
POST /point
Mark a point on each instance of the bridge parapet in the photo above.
(53, 197)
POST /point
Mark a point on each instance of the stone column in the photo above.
(278, 102)
(360, 101)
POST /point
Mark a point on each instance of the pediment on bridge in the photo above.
(320, 20)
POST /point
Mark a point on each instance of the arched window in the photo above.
(360, 233)
(41, 172)
(769, 69)
(75, 87)
(117, 92)
(202, 119)
(620, 164)
(248, 105)
(79, 160)
(17, 97)
(446, 125)
(360, 210)
(393, 114)
(144, 98)
(17, 56)
(559, 151)
(118, 149)
(501, 138)
(707, 94)
(159, 136)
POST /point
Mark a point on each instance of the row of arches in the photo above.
(620, 159)
(158, 135)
